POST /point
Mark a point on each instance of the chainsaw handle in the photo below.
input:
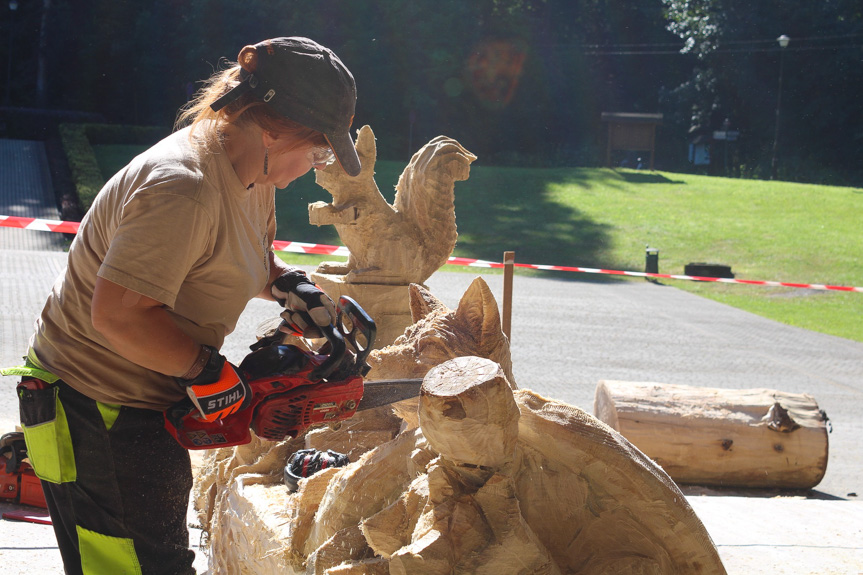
(353, 326)
(336, 355)
(175, 414)
(359, 329)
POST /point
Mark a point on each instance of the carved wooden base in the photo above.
(388, 305)
(481, 479)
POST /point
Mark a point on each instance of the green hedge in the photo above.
(117, 134)
(82, 163)
(78, 140)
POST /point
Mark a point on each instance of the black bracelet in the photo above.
(210, 371)
(200, 362)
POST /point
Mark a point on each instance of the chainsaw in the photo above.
(294, 389)
(18, 481)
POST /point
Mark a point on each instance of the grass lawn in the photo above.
(604, 218)
(592, 217)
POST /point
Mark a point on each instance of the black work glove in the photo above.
(219, 390)
(306, 305)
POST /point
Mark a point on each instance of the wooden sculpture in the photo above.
(491, 481)
(471, 521)
(391, 246)
(437, 335)
(405, 242)
(496, 481)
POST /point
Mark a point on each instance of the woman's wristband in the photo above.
(200, 362)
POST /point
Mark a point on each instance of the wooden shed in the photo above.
(631, 133)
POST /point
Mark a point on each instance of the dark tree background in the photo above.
(737, 72)
(519, 82)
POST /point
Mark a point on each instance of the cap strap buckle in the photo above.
(247, 83)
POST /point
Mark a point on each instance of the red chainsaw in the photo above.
(294, 389)
(18, 481)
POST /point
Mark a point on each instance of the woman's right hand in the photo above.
(219, 389)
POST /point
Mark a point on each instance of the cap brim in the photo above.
(346, 153)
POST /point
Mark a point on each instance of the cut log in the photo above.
(757, 438)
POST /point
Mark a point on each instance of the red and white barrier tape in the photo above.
(306, 248)
(40, 225)
(303, 248)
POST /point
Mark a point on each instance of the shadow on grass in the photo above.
(644, 177)
(511, 209)
(497, 210)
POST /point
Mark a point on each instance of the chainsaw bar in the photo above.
(387, 391)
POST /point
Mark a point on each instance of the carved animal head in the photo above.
(440, 334)
(338, 183)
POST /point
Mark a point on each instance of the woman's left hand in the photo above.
(307, 306)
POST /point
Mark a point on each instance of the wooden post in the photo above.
(652, 147)
(508, 265)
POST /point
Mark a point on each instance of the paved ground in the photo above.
(567, 335)
(25, 191)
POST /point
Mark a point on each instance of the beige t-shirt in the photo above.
(176, 225)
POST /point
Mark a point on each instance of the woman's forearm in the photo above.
(139, 329)
(277, 268)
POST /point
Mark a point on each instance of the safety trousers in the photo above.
(124, 511)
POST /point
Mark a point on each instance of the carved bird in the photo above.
(404, 242)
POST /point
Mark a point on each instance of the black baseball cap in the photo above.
(305, 82)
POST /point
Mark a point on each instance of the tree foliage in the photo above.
(516, 81)
(738, 70)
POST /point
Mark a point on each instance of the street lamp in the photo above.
(13, 6)
(783, 43)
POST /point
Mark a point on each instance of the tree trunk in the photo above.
(720, 437)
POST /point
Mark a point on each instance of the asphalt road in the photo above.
(569, 335)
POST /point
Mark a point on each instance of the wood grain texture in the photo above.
(720, 437)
